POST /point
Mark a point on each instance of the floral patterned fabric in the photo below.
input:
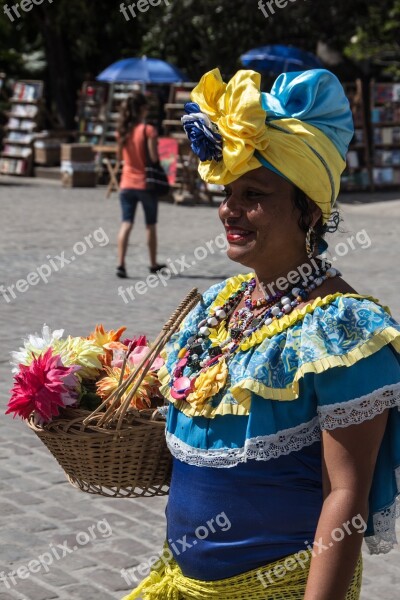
(337, 330)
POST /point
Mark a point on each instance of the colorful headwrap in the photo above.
(301, 130)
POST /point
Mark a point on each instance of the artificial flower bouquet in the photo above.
(69, 390)
(95, 402)
(52, 373)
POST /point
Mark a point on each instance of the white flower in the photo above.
(34, 343)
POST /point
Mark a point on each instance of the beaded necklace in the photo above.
(240, 324)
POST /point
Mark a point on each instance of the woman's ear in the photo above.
(315, 212)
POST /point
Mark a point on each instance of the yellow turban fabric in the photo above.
(300, 130)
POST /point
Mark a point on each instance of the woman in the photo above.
(284, 384)
(133, 135)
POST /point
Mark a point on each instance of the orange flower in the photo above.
(104, 339)
(142, 398)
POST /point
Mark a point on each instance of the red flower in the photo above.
(141, 340)
(43, 387)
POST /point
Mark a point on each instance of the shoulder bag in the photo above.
(156, 178)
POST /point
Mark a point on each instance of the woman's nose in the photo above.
(230, 207)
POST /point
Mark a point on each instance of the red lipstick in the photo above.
(235, 233)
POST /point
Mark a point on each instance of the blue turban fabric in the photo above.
(316, 97)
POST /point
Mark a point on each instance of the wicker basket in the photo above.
(131, 462)
(116, 450)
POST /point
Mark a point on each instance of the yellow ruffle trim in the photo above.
(242, 391)
(390, 335)
(207, 410)
(220, 334)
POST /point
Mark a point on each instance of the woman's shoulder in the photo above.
(335, 285)
(340, 293)
(151, 131)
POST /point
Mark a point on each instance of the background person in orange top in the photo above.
(132, 135)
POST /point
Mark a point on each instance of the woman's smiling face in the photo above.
(262, 222)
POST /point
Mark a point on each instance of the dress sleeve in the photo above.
(348, 395)
(353, 394)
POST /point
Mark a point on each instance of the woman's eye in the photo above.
(254, 193)
(250, 194)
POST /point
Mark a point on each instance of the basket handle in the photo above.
(169, 328)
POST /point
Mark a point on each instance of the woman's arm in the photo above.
(349, 455)
(153, 149)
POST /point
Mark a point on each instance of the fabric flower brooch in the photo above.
(203, 135)
(226, 124)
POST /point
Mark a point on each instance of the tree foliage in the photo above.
(80, 38)
(376, 44)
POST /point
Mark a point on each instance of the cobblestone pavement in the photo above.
(41, 514)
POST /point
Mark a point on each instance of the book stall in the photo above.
(385, 123)
(24, 120)
(91, 108)
(27, 148)
(3, 105)
(358, 173)
(373, 160)
(97, 118)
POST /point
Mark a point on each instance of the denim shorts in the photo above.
(129, 199)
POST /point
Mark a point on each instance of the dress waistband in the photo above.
(279, 580)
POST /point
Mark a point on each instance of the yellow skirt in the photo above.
(284, 579)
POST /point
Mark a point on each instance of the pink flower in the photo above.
(136, 349)
(43, 387)
(138, 354)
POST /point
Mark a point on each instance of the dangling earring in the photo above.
(310, 242)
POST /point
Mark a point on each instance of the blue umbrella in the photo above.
(146, 70)
(280, 59)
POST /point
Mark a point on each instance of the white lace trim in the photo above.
(384, 523)
(262, 447)
(289, 440)
(332, 416)
(358, 410)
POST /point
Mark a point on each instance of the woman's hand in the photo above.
(348, 456)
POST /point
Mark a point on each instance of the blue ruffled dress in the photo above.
(247, 481)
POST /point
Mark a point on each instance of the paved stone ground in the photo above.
(38, 509)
